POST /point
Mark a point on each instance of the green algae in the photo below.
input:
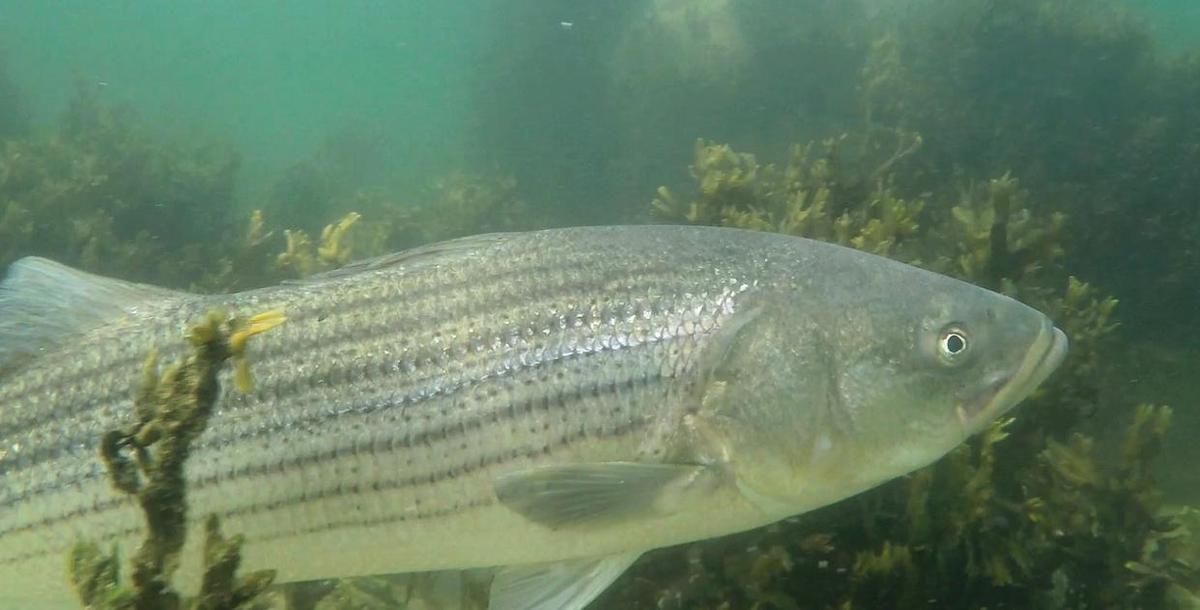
(303, 258)
(1001, 240)
(146, 461)
(100, 193)
(812, 195)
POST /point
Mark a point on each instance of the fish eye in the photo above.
(952, 344)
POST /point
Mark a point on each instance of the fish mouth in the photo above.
(1002, 394)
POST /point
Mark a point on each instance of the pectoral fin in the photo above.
(579, 494)
(565, 585)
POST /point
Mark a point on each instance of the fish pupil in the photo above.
(954, 343)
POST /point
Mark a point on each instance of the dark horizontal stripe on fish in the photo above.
(288, 389)
(562, 400)
(132, 362)
(498, 416)
(119, 394)
(342, 490)
(434, 478)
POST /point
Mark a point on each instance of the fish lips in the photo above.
(1004, 392)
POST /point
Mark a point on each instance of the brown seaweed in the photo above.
(146, 461)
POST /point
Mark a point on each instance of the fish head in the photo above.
(927, 362)
(866, 374)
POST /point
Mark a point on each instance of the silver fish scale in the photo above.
(393, 394)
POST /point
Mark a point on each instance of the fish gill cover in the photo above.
(1047, 149)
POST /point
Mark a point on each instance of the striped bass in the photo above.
(552, 403)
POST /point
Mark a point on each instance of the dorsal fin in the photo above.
(43, 302)
(428, 254)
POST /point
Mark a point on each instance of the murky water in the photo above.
(1015, 144)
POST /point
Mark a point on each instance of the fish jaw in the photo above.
(1042, 358)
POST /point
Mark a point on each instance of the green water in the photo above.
(139, 135)
(276, 79)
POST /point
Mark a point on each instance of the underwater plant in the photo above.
(303, 258)
(464, 203)
(100, 193)
(461, 204)
(146, 461)
(814, 196)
